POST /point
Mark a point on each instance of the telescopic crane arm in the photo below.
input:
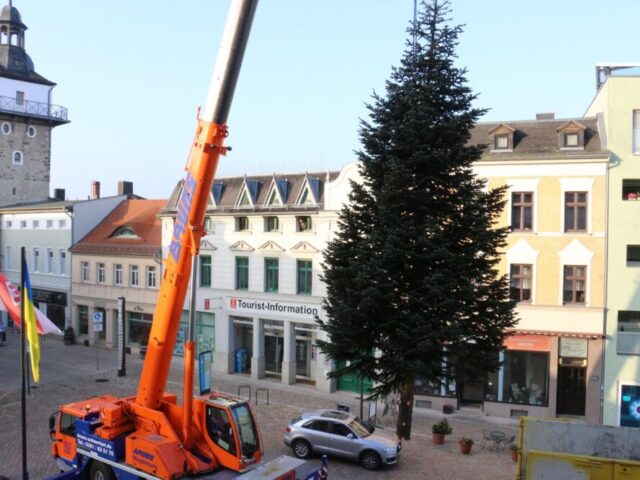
(188, 229)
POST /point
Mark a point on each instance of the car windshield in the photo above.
(247, 430)
(363, 429)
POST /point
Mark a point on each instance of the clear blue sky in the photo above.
(132, 74)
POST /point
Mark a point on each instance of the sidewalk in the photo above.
(71, 373)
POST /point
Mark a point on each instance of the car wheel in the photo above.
(100, 471)
(301, 448)
(370, 460)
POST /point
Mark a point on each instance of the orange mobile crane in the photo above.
(151, 436)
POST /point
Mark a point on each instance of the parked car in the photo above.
(338, 433)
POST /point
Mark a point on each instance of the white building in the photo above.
(259, 271)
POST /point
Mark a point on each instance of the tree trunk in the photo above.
(405, 411)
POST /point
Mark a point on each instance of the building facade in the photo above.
(27, 117)
(617, 105)
(556, 177)
(119, 258)
(258, 272)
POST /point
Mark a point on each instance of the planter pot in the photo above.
(437, 438)
(514, 455)
(465, 448)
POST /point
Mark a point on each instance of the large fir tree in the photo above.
(412, 283)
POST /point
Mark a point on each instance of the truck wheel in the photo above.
(100, 471)
(301, 448)
(370, 460)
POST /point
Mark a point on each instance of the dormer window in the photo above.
(125, 232)
(571, 139)
(501, 142)
(571, 136)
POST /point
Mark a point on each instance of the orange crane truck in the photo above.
(149, 435)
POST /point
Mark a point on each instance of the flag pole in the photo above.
(23, 401)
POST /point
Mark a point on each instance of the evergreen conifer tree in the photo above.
(413, 290)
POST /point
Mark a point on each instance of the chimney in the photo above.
(95, 190)
(58, 194)
(545, 116)
(125, 188)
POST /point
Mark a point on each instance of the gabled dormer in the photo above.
(501, 138)
(277, 196)
(248, 193)
(571, 136)
(216, 193)
(310, 191)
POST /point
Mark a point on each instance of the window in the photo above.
(62, 224)
(134, 276)
(574, 284)
(631, 189)
(205, 270)
(6, 128)
(36, 224)
(242, 224)
(49, 223)
(62, 262)
(303, 224)
(633, 253)
(117, 274)
(520, 280)
(84, 272)
(17, 157)
(9, 223)
(575, 211)
(271, 274)
(628, 341)
(83, 319)
(31, 131)
(522, 211)
(207, 224)
(7, 257)
(636, 131)
(151, 277)
(49, 260)
(340, 429)
(271, 224)
(525, 378)
(304, 275)
(19, 98)
(501, 142)
(219, 429)
(36, 260)
(571, 139)
(242, 273)
(23, 224)
(100, 273)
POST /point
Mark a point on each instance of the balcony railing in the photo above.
(628, 343)
(36, 109)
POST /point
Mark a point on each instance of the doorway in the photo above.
(572, 389)
(273, 353)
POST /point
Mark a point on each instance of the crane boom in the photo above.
(188, 229)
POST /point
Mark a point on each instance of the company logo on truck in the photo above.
(184, 205)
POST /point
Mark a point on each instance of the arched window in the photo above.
(14, 38)
(17, 157)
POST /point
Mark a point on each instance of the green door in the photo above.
(350, 382)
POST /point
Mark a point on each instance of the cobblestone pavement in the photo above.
(70, 373)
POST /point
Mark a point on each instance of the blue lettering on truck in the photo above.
(182, 216)
(104, 448)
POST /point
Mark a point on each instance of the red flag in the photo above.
(10, 299)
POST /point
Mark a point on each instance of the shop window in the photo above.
(575, 211)
(205, 270)
(83, 319)
(525, 377)
(139, 327)
(521, 211)
(520, 283)
(242, 273)
(271, 275)
(631, 189)
(304, 275)
(574, 285)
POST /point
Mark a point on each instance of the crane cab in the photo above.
(231, 431)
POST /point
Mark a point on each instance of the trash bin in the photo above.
(241, 360)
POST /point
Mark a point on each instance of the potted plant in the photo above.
(465, 445)
(514, 451)
(439, 430)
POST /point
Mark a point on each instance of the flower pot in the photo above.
(465, 448)
(437, 438)
(514, 455)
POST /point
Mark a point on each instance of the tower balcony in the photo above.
(52, 114)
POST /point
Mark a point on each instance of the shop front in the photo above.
(53, 304)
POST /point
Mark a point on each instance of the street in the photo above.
(70, 373)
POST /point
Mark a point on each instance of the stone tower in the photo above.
(27, 117)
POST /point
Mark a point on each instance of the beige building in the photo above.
(119, 258)
(556, 174)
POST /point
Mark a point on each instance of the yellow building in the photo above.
(556, 175)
